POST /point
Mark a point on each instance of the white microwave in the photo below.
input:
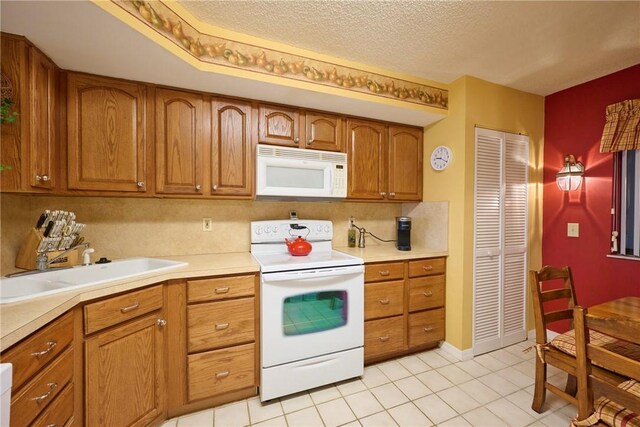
(295, 172)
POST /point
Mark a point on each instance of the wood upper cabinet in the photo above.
(106, 134)
(180, 138)
(324, 132)
(13, 54)
(29, 150)
(405, 163)
(280, 126)
(232, 157)
(42, 132)
(367, 159)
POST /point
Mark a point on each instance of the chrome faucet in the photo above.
(42, 261)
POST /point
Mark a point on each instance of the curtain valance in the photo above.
(622, 127)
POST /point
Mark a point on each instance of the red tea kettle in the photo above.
(298, 247)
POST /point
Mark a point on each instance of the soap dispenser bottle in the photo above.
(352, 233)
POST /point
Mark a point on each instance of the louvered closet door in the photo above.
(499, 240)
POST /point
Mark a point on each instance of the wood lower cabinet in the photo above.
(43, 375)
(232, 159)
(125, 364)
(404, 307)
(180, 135)
(213, 336)
(106, 125)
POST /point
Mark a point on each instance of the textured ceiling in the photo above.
(537, 47)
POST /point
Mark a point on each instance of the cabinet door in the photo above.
(179, 142)
(366, 158)
(124, 373)
(405, 163)
(13, 54)
(106, 128)
(279, 126)
(231, 149)
(42, 133)
(324, 132)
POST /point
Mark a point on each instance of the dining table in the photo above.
(621, 311)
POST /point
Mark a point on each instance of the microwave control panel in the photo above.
(340, 180)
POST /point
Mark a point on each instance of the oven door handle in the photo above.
(312, 274)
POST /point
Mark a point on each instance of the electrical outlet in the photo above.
(573, 229)
(207, 224)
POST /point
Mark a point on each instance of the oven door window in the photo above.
(314, 312)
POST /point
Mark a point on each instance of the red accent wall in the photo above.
(574, 119)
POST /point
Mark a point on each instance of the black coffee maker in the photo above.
(403, 228)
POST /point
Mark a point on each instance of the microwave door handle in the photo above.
(312, 274)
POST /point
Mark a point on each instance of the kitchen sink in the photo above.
(53, 281)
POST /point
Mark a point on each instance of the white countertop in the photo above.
(19, 319)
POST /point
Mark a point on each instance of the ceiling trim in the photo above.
(176, 30)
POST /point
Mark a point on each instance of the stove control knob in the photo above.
(275, 229)
(319, 228)
(258, 230)
(267, 229)
(327, 229)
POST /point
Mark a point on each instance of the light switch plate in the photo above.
(573, 229)
(207, 224)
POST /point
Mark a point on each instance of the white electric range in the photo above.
(311, 308)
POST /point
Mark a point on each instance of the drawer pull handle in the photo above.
(385, 273)
(52, 425)
(52, 386)
(427, 267)
(428, 329)
(384, 301)
(384, 338)
(223, 374)
(50, 346)
(131, 307)
(221, 326)
(222, 290)
(428, 294)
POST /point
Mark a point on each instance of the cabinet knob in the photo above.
(161, 322)
(198, 187)
(43, 178)
(382, 193)
(140, 184)
(392, 194)
(296, 139)
(309, 142)
(215, 187)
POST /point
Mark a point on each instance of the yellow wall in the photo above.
(477, 102)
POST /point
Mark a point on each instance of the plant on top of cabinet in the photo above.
(106, 134)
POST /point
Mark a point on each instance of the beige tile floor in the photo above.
(431, 388)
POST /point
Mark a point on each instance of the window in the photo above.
(626, 204)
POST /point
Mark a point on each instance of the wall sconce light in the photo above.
(570, 176)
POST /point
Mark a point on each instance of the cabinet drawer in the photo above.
(221, 371)
(60, 410)
(383, 271)
(426, 267)
(32, 354)
(219, 324)
(112, 311)
(383, 299)
(426, 292)
(27, 404)
(426, 327)
(220, 288)
(383, 336)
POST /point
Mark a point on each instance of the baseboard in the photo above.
(456, 352)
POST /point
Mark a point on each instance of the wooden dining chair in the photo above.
(559, 352)
(619, 401)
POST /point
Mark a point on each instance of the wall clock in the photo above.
(441, 157)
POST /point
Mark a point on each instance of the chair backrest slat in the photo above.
(565, 295)
(556, 294)
(554, 316)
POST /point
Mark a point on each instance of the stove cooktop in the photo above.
(283, 261)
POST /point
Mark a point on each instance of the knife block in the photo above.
(26, 257)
